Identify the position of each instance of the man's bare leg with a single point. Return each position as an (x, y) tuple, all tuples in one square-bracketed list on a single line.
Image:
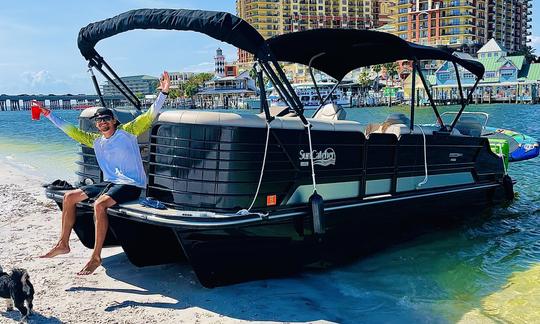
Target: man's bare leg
[(102, 225), (71, 198)]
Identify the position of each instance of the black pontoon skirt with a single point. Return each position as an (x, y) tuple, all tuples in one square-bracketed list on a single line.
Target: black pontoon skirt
[(225, 250)]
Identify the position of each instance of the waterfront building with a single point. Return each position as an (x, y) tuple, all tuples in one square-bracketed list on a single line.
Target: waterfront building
[(179, 78), (222, 68), (139, 84), (508, 78), (276, 17), (465, 24), (226, 91)]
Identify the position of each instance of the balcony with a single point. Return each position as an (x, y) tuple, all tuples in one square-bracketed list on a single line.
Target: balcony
[(461, 23), (455, 4), (461, 32), (456, 14)]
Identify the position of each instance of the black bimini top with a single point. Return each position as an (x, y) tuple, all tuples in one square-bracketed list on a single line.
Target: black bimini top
[(219, 25), (339, 51), (336, 51)]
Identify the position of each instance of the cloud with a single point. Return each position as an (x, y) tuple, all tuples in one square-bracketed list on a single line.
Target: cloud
[(37, 78), (199, 67), (43, 82)]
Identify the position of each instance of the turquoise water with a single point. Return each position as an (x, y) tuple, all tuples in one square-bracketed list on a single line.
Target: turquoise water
[(38, 147), (441, 277)]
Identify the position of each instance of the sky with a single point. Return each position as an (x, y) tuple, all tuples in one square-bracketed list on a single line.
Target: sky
[(39, 54)]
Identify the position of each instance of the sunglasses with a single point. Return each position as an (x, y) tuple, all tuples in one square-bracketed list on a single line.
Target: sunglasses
[(105, 119)]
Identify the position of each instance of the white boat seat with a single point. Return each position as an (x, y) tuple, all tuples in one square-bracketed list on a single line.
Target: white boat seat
[(469, 125), (331, 111), (399, 124), (254, 121), (279, 111), (400, 129)]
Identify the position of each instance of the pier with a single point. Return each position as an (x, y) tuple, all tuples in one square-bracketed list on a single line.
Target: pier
[(67, 101)]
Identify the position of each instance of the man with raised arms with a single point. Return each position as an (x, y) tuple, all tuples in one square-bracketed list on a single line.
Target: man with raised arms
[(119, 158)]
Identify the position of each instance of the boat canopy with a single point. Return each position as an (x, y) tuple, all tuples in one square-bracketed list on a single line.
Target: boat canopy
[(335, 52), (219, 25), (339, 51)]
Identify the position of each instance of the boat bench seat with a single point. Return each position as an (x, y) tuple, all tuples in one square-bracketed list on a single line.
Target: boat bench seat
[(400, 129), (254, 121), (469, 125), (331, 111)]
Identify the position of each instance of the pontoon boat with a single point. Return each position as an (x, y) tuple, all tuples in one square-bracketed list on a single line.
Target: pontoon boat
[(240, 189)]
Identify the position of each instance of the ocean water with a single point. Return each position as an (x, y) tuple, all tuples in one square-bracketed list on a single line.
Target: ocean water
[(486, 268)]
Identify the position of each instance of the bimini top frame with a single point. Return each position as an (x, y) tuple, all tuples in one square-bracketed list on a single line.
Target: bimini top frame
[(335, 52), (219, 25)]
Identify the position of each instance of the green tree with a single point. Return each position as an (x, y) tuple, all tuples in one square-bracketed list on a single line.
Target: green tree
[(363, 80), (201, 78), (528, 52), (377, 68), (391, 71), (190, 89), (174, 93)]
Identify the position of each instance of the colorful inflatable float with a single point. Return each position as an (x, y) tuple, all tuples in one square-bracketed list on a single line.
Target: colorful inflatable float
[(520, 146), (514, 146)]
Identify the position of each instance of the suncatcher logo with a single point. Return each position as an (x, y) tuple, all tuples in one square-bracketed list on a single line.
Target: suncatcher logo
[(322, 158)]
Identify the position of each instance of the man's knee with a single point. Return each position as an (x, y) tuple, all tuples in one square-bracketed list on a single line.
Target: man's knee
[(102, 203), (74, 196)]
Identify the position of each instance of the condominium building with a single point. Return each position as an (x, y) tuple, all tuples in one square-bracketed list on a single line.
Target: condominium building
[(276, 17), (138, 84), (464, 23)]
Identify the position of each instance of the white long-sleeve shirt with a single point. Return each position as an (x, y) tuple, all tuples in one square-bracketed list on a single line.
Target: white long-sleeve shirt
[(118, 156)]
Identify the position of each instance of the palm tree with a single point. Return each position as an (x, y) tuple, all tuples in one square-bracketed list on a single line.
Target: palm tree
[(363, 80), (377, 68), (528, 52), (391, 71)]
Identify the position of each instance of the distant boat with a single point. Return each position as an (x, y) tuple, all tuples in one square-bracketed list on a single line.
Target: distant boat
[(309, 97)]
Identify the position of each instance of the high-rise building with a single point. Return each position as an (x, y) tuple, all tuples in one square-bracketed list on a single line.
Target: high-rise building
[(276, 17), (464, 23), (138, 84)]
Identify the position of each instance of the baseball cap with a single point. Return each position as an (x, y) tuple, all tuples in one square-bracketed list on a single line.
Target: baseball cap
[(102, 112)]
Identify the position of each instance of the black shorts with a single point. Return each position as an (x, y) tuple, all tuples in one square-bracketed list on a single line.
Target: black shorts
[(121, 193)]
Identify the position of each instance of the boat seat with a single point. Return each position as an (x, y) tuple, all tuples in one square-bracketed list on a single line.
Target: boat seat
[(229, 119), (279, 111), (399, 124), (469, 125), (400, 129), (331, 111)]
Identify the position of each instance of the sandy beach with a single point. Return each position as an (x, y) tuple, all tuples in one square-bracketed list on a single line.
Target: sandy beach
[(119, 292)]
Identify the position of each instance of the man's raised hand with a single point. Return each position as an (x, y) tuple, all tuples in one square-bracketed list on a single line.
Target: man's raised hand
[(164, 82)]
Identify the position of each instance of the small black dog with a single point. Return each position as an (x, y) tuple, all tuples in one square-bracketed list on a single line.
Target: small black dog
[(17, 288)]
